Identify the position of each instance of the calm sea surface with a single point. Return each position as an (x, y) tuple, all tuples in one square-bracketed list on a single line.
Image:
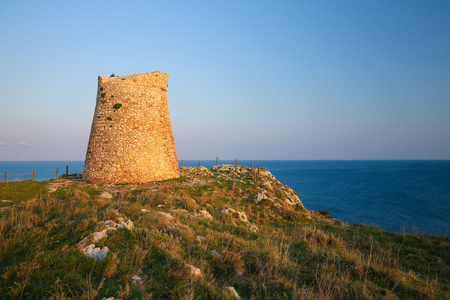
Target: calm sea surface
[(400, 196)]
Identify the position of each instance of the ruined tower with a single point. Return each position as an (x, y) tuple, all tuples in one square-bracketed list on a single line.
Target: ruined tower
[(131, 137)]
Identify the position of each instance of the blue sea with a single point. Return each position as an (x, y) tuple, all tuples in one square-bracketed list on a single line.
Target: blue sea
[(399, 196)]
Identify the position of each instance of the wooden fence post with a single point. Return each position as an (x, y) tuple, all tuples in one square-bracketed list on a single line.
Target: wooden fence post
[(67, 170), (199, 165), (34, 174), (5, 176), (257, 176), (56, 173), (182, 162), (217, 161), (236, 162)]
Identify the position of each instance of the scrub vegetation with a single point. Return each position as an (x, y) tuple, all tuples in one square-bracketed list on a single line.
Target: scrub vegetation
[(190, 240)]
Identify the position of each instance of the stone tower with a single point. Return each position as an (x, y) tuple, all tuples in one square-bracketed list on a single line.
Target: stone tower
[(131, 137)]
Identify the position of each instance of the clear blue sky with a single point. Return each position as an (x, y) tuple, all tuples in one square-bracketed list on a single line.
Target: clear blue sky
[(248, 79)]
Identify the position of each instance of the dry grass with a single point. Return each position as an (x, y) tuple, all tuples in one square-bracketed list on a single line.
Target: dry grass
[(290, 257)]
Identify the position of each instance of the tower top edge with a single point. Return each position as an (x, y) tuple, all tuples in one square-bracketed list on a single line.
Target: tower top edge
[(152, 74)]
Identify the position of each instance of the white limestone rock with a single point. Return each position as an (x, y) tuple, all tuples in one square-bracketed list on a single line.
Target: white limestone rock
[(238, 215), (96, 236), (195, 273), (199, 239), (253, 228), (232, 292), (136, 279), (259, 197), (267, 186), (205, 214), (105, 195), (169, 217), (214, 253), (95, 252)]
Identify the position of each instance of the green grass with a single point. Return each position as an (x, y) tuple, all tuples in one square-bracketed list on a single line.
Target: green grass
[(19, 191), (291, 257)]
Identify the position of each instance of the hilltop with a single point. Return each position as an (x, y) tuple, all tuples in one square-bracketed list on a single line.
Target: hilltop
[(219, 233)]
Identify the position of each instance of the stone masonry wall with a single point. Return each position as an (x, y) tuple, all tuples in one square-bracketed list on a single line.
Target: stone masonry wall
[(131, 137)]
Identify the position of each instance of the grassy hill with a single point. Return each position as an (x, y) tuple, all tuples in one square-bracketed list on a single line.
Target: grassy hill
[(219, 233)]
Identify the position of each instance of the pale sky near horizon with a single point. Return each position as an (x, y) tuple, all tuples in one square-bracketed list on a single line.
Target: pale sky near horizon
[(248, 79)]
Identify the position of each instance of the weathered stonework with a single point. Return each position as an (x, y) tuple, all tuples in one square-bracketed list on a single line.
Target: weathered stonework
[(131, 137)]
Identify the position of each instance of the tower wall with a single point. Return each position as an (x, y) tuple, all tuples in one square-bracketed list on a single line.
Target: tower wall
[(131, 137)]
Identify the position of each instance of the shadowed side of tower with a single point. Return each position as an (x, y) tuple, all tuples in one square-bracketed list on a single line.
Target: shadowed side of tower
[(131, 137)]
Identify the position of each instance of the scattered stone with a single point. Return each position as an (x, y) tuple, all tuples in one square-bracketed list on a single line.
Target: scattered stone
[(95, 252), (128, 224), (136, 279), (96, 236), (214, 253), (199, 239), (168, 230), (8, 201), (253, 228), (105, 195), (166, 215), (239, 215), (195, 272), (160, 206), (267, 186), (205, 214), (111, 225), (232, 291), (110, 298), (144, 210), (293, 198), (259, 197)]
